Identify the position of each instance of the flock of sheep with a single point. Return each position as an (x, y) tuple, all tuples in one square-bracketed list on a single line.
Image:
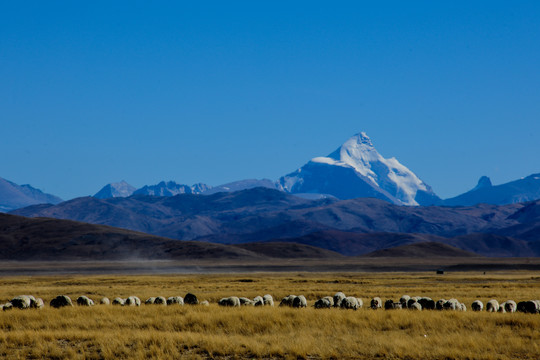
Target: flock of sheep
[(339, 300)]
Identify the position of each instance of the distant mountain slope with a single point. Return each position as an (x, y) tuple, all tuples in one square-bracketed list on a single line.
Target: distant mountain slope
[(52, 239), (518, 191), (422, 250), (171, 188), (242, 185), (13, 196), (119, 189), (356, 170)]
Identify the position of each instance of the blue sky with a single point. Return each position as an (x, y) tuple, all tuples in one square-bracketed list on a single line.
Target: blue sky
[(220, 91)]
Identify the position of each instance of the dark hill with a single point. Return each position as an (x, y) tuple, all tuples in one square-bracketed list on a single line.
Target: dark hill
[(422, 250), (288, 250), (52, 239)]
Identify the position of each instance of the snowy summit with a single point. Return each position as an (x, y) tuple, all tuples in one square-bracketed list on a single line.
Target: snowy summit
[(356, 169)]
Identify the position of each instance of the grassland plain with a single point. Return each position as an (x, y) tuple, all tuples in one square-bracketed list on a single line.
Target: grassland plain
[(107, 332)]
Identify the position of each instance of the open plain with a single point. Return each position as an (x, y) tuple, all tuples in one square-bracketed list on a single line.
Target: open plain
[(151, 331)]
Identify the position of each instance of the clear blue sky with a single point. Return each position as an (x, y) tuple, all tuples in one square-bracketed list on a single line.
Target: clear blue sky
[(221, 91)]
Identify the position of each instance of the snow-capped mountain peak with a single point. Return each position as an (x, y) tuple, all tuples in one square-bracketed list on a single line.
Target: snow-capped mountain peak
[(116, 189), (385, 178)]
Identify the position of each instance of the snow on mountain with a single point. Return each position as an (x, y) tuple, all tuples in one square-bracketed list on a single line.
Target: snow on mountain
[(522, 190), (13, 196), (171, 188), (242, 185), (356, 169), (118, 189)]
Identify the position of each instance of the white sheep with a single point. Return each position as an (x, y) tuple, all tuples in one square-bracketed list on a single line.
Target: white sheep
[(477, 305), (233, 301), (338, 298), (492, 306)]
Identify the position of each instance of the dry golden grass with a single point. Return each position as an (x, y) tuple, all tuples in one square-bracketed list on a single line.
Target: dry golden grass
[(107, 332)]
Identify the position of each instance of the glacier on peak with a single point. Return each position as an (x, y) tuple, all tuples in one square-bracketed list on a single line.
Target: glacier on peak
[(115, 189), (356, 169)]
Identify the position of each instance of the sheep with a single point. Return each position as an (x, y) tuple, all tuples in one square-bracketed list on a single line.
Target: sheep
[(258, 301), (427, 303), (510, 306), (349, 302), (287, 300), (376, 303), (360, 303), (191, 299), (338, 298), (452, 304), (175, 300), (7, 306), (150, 301), (245, 301), (85, 301), (530, 307), (439, 305), (299, 302), (105, 301), (37, 304), (22, 302), (502, 308), (204, 303), (389, 304), (268, 300), (160, 300), (477, 305), (132, 301), (411, 302), (324, 303), (61, 301), (463, 307), (492, 306), (414, 305), (119, 301), (229, 301), (403, 300)]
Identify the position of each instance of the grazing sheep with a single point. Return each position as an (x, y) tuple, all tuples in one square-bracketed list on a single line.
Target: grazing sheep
[(38, 304), (61, 301), (175, 300), (119, 301), (439, 305), (411, 302), (324, 303), (105, 301), (349, 302), (268, 300), (360, 303), (477, 305), (132, 301), (299, 302), (191, 299), (427, 303), (492, 306), (376, 303), (245, 301), (414, 305), (389, 304), (204, 303), (21, 302), (510, 306), (452, 304), (85, 301), (160, 300), (463, 307), (229, 301), (287, 300), (258, 301), (529, 307), (403, 300), (338, 298), (7, 306), (150, 301)]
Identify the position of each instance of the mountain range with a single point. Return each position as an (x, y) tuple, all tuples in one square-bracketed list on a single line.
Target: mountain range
[(353, 170), (350, 227)]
